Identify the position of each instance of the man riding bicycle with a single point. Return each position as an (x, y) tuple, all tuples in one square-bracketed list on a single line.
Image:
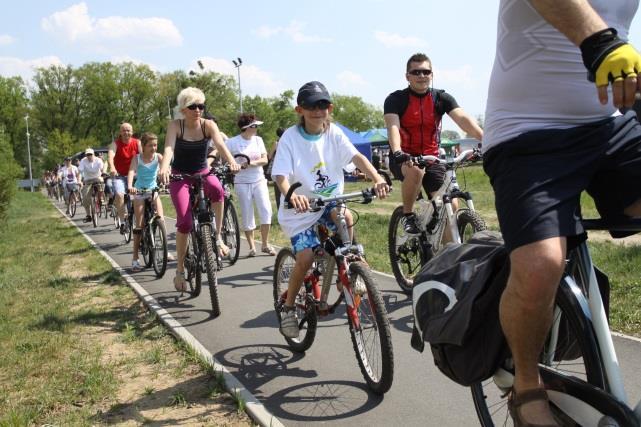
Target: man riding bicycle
[(91, 170), (413, 119), (548, 138), (121, 151)]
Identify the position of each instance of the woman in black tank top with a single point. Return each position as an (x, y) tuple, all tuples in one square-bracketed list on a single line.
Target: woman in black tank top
[(187, 143)]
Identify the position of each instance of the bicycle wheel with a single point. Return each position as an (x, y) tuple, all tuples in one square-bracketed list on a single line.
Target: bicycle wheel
[(146, 246), (94, 212), (193, 266), (370, 331), (72, 204), (575, 354), (128, 226), (230, 233), (211, 266), (305, 309), (114, 215), (405, 251), (159, 248), (469, 222)]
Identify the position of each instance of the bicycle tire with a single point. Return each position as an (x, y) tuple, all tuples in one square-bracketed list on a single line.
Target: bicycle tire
[(211, 266), (305, 309), (230, 233), (72, 204), (128, 227), (405, 251), (146, 246), (159, 247), (372, 338), (114, 215), (490, 402), (94, 213), (192, 265), (469, 222)]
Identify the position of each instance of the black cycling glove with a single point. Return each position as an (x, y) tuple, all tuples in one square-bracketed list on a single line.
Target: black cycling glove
[(607, 57), (400, 157)]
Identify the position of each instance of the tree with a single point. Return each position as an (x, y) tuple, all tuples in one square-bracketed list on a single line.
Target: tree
[(9, 172), (450, 134), (13, 109), (356, 114)]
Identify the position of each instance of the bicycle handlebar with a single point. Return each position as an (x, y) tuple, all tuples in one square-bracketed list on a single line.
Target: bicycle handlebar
[(471, 155)]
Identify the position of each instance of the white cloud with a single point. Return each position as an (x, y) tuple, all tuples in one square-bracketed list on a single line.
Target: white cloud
[(254, 80), (6, 40), (396, 40), (461, 77), (25, 68), (75, 25), (349, 79), (294, 31)]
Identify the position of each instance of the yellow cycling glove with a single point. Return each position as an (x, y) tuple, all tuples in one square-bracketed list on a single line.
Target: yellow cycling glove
[(608, 58)]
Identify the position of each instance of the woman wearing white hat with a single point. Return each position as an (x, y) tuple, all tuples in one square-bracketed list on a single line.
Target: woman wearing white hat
[(250, 183)]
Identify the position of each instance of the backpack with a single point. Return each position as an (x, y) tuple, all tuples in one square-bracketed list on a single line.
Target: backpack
[(455, 301)]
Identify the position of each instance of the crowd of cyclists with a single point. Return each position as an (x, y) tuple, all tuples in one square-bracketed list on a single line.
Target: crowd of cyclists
[(547, 138)]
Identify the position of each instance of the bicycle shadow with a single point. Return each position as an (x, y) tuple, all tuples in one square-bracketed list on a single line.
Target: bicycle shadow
[(268, 320), (397, 303), (253, 278), (322, 401), (257, 364)]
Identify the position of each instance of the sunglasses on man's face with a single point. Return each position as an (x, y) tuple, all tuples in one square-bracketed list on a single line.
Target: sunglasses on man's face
[(192, 107), (420, 72), (320, 105)]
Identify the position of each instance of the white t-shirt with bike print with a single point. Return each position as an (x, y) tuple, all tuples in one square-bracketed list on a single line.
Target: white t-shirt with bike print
[(317, 163), (252, 148)]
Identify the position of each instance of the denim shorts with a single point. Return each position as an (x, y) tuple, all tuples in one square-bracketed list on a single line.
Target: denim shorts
[(309, 239), (538, 178), (119, 184)]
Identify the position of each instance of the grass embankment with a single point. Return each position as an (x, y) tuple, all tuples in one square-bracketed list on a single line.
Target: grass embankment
[(76, 346), (621, 263)]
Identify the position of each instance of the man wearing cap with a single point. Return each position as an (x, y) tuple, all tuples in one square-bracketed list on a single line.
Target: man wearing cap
[(413, 119), (251, 184), (121, 151), (91, 170)]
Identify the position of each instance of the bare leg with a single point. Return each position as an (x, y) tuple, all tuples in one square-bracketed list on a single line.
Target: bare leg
[(304, 261), (249, 234), (526, 313), (139, 206), (264, 234), (159, 209), (119, 202), (181, 249), (413, 177), (219, 210), (634, 210)]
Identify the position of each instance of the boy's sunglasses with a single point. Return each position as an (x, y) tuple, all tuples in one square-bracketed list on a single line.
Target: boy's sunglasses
[(320, 105), (192, 107), (419, 72)]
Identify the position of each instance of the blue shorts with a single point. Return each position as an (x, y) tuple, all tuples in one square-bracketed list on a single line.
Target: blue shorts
[(119, 184), (308, 239)]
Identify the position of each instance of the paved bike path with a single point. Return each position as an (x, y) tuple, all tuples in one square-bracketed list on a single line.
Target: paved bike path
[(324, 385)]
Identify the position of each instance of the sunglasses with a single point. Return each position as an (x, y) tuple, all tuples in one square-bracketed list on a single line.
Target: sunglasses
[(420, 72), (320, 105), (192, 107), (89, 154)]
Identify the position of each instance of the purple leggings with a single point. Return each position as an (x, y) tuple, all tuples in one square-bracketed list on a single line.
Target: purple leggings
[(179, 191)]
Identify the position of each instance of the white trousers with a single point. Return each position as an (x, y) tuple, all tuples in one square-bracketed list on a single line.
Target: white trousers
[(257, 193)]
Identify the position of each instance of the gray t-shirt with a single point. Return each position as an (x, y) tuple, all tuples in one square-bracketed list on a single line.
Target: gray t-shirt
[(539, 80)]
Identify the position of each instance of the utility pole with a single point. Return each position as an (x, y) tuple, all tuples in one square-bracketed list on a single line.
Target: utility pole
[(240, 92), (29, 153)]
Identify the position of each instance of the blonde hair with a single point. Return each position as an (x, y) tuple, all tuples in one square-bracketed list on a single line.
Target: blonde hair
[(186, 97)]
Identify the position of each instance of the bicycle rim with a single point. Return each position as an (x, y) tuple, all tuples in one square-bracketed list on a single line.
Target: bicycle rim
[(372, 338), (405, 252), (305, 310), (230, 234), (211, 265), (192, 266), (146, 247), (159, 248), (575, 354)]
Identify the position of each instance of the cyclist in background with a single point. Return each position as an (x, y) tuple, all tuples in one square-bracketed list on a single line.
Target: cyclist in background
[(90, 169), (413, 119), (145, 167), (549, 135), (313, 153), (70, 177), (121, 151)]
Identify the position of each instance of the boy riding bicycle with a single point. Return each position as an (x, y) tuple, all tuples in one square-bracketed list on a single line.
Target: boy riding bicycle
[(313, 153)]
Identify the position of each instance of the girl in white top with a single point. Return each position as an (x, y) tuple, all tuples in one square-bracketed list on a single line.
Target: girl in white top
[(314, 154), (250, 183)]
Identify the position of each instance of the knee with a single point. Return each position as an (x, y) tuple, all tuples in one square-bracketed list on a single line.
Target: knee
[(534, 281)]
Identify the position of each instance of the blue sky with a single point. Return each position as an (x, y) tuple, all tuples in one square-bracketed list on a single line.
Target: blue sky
[(355, 47)]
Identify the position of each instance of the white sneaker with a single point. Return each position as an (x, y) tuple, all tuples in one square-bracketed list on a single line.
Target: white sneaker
[(289, 324), (135, 266)]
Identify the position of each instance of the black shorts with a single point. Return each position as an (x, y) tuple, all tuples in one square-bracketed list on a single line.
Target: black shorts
[(432, 180), (538, 178)]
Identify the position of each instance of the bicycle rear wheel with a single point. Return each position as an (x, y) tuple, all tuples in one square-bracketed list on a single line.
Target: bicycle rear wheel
[(405, 251), (211, 266), (575, 354), (94, 212), (230, 233), (305, 309), (371, 337), (72, 204), (469, 222), (159, 248), (193, 265), (128, 226)]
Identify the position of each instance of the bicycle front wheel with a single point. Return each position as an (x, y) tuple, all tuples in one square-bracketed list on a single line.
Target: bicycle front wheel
[(128, 226), (230, 233), (575, 353), (211, 265), (159, 248), (72, 204), (370, 330), (94, 212), (405, 251), (192, 265), (146, 246), (469, 222), (305, 309)]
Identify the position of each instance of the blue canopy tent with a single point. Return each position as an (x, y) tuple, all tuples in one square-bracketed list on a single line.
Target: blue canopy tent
[(376, 136), (363, 147)]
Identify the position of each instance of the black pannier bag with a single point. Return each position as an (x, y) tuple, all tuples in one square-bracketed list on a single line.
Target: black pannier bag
[(456, 308)]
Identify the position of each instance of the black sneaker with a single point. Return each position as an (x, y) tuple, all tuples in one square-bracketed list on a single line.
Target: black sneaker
[(87, 219), (410, 225), (122, 228)]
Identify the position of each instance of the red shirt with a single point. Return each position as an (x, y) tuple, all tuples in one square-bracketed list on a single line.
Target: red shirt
[(124, 154)]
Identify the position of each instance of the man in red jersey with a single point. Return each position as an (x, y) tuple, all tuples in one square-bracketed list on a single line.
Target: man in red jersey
[(121, 151)]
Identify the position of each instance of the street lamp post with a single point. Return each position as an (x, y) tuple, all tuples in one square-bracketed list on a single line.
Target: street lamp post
[(29, 153), (240, 92)]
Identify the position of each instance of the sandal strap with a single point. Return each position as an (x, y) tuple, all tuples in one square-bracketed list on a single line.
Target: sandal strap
[(528, 396)]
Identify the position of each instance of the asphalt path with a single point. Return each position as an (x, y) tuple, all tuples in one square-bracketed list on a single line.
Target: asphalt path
[(324, 385)]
